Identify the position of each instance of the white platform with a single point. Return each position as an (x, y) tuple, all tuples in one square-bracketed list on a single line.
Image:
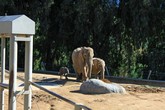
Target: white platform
[(16, 24)]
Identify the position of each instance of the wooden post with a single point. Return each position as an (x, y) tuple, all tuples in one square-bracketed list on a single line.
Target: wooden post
[(28, 73), (2, 80), (13, 73)]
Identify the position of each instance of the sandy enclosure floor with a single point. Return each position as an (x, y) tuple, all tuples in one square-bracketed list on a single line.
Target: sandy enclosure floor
[(138, 97)]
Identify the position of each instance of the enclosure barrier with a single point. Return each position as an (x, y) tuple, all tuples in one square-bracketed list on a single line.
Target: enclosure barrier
[(155, 83), (5, 86), (16, 28), (77, 105)]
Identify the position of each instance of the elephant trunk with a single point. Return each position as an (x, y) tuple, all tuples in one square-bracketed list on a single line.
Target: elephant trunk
[(90, 63)]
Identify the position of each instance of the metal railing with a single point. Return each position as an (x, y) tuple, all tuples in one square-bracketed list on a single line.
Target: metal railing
[(77, 105)]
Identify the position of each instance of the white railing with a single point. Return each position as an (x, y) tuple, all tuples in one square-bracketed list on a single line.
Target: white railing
[(78, 106)]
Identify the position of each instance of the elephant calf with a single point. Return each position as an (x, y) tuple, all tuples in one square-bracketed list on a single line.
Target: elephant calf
[(98, 67), (64, 71)]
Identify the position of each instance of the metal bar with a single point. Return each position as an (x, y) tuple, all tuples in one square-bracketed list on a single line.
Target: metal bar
[(149, 74), (2, 80), (81, 107), (5, 86), (22, 39), (107, 71), (57, 95), (28, 72), (13, 73), (21, 92), (52, 93)]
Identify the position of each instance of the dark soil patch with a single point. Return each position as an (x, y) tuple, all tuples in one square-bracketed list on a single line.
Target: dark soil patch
[(144, 89)]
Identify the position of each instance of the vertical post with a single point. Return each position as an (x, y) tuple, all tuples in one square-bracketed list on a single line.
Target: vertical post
[(79, 106), (2, 80), (107, 70), (28, 72), (150, 71), (13, 73)]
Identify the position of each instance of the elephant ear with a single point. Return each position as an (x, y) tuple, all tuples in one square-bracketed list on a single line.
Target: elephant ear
[(95, 63), (90, 52), (81, 55)]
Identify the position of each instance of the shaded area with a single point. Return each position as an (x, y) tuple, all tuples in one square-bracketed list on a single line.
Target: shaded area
[(52, 82)]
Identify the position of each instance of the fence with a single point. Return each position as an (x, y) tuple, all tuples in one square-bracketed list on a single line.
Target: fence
[(78, 106)]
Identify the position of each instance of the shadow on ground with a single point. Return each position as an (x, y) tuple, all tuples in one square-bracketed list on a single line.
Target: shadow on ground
[(53, 82)]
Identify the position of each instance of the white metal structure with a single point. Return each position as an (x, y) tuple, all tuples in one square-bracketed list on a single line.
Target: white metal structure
[(16, 28)]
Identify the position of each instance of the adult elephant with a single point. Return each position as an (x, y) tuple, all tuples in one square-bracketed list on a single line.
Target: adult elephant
[(82, 62), (98, 67)]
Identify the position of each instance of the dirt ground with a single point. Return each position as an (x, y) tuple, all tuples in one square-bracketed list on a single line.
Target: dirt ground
[(138, 97)]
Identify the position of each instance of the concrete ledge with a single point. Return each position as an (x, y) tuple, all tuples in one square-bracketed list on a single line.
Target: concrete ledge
[(157, 83)]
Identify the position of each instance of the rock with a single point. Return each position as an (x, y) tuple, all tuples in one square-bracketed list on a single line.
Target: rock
[(96, 86)]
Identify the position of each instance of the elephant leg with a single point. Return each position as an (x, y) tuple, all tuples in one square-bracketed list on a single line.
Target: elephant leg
[(61, 76), (102, 75), (84, 75), (78, 76), (66, 76), (84, 78), (89, 75), (96, 76)]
